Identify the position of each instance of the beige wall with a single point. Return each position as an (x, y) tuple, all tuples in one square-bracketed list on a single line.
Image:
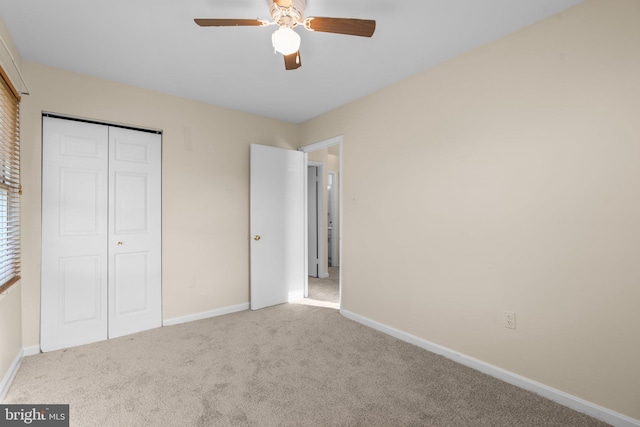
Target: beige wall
[(205, 194), (507, 179), (10, 328), (10, 301)]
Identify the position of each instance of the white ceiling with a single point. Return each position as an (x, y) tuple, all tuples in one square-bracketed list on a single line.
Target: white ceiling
[(155, 44)]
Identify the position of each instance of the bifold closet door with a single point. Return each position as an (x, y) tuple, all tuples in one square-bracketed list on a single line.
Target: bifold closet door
[(135, 298), (101, 232), (74, 233)]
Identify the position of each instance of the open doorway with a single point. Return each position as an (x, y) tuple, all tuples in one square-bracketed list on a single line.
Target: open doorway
[(316, 220), (324, 223)]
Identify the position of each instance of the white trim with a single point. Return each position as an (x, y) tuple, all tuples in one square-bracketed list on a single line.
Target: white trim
[(15, 66), (305, 290), (336, 140), (340, 220), (10, 375), (558, 396), (322, 144), (322, 271), (295, 296), (335, 258), (205, 314), (31, 351)]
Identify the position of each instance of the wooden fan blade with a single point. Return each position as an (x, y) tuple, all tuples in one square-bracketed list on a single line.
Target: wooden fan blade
[(283, 3), (229, 22), (348, 26), (292, 62)]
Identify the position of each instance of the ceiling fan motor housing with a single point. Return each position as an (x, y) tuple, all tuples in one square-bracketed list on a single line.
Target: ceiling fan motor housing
[(287, 16)]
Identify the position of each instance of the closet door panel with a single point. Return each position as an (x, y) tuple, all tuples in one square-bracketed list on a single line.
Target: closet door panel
[(81, 207), (135, 232), (131, 198), (81, 302), (132, 276), (74, 233)]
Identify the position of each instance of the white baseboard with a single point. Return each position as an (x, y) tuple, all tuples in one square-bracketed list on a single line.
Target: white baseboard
[(565, 399), (205, 314), (10, 375), (323, 275), (295, 296), (30, 351), (33, 350)]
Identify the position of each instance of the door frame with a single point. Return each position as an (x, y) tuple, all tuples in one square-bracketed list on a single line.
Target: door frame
[(336, 140), (320, 221), (333, 201)]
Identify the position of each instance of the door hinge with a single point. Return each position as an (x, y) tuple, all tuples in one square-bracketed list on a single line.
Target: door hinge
[(20, 189)]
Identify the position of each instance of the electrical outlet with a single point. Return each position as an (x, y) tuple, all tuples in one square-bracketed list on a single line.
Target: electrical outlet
[(509, 319)]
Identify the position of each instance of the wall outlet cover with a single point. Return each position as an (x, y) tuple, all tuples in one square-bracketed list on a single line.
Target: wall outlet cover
[(509, 319)]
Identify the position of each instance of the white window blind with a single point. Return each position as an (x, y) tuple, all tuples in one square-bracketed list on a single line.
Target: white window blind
[(9, 183)]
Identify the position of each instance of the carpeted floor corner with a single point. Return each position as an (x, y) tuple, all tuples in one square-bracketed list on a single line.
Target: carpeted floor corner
[(289, 365)]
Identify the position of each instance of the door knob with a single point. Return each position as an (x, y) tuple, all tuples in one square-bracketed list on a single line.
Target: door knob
[(120, 243), (256, 237)]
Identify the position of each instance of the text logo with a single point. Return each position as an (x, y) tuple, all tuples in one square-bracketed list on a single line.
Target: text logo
[(34, 415)]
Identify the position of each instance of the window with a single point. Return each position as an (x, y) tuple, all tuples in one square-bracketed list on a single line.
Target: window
[(9, 183)]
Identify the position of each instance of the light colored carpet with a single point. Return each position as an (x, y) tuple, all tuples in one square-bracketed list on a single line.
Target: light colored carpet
[(289, 365)]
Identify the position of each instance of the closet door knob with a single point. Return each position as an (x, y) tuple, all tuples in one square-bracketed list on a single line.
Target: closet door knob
[(257, 237), (120, 243)]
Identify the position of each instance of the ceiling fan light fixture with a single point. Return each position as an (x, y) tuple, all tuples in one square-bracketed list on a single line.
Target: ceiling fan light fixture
[(285, 40), (289, 15)]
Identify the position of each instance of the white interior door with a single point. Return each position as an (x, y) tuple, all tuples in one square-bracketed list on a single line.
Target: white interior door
[(74, 233), (312, 221), (333, 226), (101, 232), (278, 229), (135, 298)]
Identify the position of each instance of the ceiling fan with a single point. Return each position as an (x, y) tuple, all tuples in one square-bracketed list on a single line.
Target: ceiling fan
[(287, 15)]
